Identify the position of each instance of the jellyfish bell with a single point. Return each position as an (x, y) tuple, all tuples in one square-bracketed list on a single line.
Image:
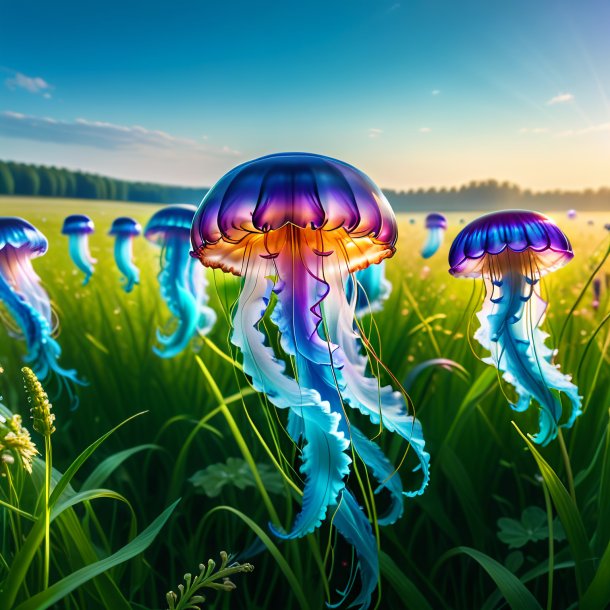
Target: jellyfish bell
[(295, 227), (571, 214), (512, 250), (436, 225), (124, 230), (182, 280), (28, 314), (78, 227)]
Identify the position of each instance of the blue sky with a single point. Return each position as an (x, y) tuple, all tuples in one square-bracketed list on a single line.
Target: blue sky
[(414, 93)]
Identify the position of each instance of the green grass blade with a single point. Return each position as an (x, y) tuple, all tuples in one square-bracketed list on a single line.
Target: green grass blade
[(66, 585), (569, 516), (81, 459), (295, 585), (105, 468), (404, 587), (598, 593), (516, 594)]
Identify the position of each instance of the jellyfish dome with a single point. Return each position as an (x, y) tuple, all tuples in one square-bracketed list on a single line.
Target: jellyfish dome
[(78, 227), (182, 281), (511, 251), (571, 214), (295, 227), (27, 311), (124, 230), (436, 225)]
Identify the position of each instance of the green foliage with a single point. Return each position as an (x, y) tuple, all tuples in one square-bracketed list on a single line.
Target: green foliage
[(199, 416), (237, 473)]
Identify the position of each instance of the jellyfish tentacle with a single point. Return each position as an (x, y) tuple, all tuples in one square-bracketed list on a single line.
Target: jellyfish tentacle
[(433, 242), (123, 255), (509, 331), (324, 461), (352, 524), (198, 285), (179, 299), (372, 289), (43, 351), (385, 473), (79, 252), (381, 404)]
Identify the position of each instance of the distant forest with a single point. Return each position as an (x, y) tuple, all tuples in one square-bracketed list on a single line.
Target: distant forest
[(43, 181)]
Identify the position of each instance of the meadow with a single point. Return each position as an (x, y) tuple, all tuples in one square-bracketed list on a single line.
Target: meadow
[(502, 522)]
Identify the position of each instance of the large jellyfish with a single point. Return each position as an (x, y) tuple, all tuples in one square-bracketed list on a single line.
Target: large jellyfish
[(78, 227), (27, 312), (436, 224), (182, 281), (124, 229), (511, 251), (295, 226), (373, 288)]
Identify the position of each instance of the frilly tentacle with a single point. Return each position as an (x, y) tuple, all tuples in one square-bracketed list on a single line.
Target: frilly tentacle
[(79, 252), (123, 256), (433, 242)]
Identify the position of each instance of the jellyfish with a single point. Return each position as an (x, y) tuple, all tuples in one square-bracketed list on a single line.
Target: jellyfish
[(295, 227), (181, 279), (437, 225), (511, 251), (125, 229), (78, 227), (27, 311), (571, 214), (373, 289)]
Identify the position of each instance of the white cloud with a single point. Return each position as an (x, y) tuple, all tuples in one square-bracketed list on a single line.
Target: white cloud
[(32, 84), (599, 128), (101, 134), (374, 132), (561, 98), (435, 91), (425, 129), (534, 130)]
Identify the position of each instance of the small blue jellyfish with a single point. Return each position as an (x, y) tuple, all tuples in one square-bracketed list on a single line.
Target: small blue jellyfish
[(78, 227), (372, 289), (437, 225), (511, 251), (125, 229), (28, 314), (182, 280)]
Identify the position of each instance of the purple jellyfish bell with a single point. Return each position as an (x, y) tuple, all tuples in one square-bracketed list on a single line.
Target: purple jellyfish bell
[(29, 315), (295, 227), (181, 279), (436, 225), (125, 229), (78, 227), (571, 214), (511, 251)]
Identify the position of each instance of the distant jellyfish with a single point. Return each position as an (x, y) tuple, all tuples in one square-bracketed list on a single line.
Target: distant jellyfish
[(124, 229), (182, 279), (571, 214), (590, 222), (78, 227), (294, 227), (372, 289), (436, 224), (597, 291), (511, 251), (607, 226), (412, 221), (27, 312), (462, 221)]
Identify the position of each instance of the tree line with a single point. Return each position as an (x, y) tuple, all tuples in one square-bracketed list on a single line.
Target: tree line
[(44, 181)]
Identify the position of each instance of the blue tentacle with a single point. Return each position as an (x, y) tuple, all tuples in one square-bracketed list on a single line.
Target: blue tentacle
[(198, 285), (372, 290), (173, 281), (509, 330), (123, 256), (324, 461), (433, 242), (78, 244)]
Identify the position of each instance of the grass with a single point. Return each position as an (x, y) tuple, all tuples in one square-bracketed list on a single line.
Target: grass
[(444, 553)]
